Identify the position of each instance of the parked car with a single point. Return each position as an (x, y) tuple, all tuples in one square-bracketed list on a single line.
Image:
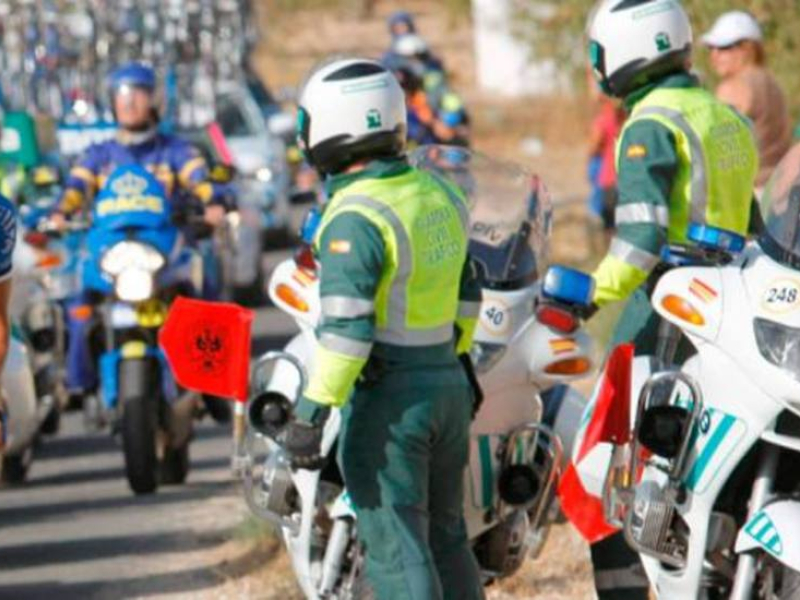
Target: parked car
[(259, 157)]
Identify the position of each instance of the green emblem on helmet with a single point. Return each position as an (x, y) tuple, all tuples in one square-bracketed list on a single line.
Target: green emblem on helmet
[(663, 42), (374, 120)]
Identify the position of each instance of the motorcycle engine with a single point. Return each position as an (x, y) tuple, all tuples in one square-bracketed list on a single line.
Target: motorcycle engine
[(654, 527), (502, 550), (280, 495)]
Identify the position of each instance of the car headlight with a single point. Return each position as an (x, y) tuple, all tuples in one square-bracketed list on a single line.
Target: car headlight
[(264, 174), (779, 345), (131, 255), (134, 285), (485, 356)]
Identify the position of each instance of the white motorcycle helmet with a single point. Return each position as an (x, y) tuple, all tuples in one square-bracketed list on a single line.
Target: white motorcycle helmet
[(410, 45), (635, 42), (350, 109)]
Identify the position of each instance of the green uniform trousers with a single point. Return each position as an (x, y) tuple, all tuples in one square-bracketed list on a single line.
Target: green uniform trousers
[(404, 448)]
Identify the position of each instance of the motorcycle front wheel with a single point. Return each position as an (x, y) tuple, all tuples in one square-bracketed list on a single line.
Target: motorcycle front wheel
[(14, 469), (139, 445), (139, 426)]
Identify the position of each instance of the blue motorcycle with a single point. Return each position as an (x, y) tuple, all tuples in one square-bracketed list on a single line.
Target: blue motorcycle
[(136, 264)]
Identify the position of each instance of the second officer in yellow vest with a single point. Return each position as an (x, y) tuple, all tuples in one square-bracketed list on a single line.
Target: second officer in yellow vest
[(399, 303), (683, 157)]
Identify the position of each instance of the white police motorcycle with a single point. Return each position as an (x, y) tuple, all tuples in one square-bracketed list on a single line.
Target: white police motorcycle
[(528, 342), (706, 489)]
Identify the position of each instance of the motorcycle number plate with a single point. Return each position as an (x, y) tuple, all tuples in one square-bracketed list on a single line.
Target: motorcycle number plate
[(123, 315)]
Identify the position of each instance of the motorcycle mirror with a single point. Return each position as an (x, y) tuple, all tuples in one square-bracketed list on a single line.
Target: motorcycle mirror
[(662, 429), (568, 286)]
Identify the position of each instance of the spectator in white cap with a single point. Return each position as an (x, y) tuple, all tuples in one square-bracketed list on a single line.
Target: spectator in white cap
[(738, 58)]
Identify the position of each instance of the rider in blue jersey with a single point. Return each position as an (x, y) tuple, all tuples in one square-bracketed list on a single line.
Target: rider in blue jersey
[(174, 162)]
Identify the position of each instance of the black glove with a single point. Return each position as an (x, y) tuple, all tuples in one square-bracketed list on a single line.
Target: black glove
[(472, 377), (302, 441)]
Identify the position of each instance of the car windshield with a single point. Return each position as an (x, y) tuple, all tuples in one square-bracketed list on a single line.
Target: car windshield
[(780, 211), (234, 119), (510, 212)]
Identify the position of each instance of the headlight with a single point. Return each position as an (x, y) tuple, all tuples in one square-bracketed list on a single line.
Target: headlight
[(264, 174), (485, 356), (134, 285), (779, 344), (131, 255)]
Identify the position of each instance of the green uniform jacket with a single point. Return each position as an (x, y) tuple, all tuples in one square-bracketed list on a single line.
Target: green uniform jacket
[(354, 259), (682, 157)]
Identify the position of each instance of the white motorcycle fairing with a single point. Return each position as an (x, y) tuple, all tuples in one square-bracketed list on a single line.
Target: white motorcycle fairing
[(774, 530), (24, 417), (742, 393)]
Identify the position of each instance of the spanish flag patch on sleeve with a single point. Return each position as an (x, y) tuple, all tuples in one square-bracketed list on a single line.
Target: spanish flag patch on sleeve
[(636, 151), (339, 246)]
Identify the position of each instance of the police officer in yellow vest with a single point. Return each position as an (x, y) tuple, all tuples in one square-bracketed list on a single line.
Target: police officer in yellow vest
[(399, 303), (682, 157)]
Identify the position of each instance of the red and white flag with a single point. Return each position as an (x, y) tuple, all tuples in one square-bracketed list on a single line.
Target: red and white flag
[(606, 422)]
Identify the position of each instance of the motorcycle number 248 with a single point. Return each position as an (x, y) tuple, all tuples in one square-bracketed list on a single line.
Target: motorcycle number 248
[(782, 296)]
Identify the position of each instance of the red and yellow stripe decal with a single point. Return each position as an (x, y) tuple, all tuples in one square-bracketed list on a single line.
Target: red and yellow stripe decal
[(303, 277), (703, 291), (563, 345)]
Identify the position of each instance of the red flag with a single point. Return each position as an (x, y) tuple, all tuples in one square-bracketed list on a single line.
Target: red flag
[(207, 345), (609, 423), (611, 416), (583, 510)]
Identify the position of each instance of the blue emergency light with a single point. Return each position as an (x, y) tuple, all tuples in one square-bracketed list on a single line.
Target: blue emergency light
[(714, 238), (310, 225), (568, 286)]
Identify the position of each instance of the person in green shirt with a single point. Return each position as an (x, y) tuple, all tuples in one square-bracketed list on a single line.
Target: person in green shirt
[(400, 301), (682, 157)]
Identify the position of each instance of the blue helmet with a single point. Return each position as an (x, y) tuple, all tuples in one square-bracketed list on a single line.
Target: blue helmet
[(134, 74), (401, 17)]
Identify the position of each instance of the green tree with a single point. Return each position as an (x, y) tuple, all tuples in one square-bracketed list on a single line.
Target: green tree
[(557, 30)]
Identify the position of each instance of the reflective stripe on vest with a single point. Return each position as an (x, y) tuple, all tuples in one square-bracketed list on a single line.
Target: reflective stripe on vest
[(395, 303)]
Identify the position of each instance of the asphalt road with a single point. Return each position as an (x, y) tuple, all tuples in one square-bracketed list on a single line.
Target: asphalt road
[(75, 530)]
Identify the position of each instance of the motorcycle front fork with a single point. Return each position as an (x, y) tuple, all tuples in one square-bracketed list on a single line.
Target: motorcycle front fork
[(744, 582)]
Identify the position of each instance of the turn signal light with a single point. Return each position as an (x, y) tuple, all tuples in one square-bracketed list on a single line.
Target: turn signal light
[(569, 366), (37, 239), (82, 312), (291, 297), (682, 309), (557, 318), (49, 260)]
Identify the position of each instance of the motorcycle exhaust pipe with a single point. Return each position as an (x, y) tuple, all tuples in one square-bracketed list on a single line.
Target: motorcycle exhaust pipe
[(269, 413), (519, 485)]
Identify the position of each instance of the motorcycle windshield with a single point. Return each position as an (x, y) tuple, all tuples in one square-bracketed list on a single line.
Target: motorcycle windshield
[(510, 212), (780, 211)]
